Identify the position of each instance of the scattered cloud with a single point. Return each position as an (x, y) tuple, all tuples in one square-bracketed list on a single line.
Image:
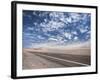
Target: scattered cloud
[(55, 27), (83, 30)]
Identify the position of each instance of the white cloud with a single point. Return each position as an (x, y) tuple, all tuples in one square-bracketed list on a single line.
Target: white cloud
[(30, 28), (35, 23), (75, 16), (45, 20), (68, 35), (52, 39), (40, 37), (84, 17), (56, 25), (83, 30), (74, 32), (56, 14), (51, 25), (34, 13), (87, 36), (59, 37), (86, 27), (75, 38), (27, 34), (43, 24), (44, 14), (69, 20), (60, 16)]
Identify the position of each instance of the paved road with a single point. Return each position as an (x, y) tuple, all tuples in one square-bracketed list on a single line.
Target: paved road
[(33, 60), (66, 59)]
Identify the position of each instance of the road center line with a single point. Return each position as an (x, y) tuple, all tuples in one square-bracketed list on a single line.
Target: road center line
[(64, 60)]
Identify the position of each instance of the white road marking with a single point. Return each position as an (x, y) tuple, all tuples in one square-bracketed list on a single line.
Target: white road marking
[(65, 60)]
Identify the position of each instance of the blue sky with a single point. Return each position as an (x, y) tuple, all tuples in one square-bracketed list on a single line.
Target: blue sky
[(60, 28)]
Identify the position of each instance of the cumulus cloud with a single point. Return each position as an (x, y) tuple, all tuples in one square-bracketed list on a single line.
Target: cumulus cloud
[(74, 32), (51, 25), (52, 39), (68, 35), (56, 27), (30, 28), (75, 38), (75, 16), (83, 30)]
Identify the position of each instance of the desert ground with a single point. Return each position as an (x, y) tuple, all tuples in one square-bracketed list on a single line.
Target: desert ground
[(36, 58)]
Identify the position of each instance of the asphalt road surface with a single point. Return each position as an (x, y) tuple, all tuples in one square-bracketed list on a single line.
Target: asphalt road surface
[(37, 60)]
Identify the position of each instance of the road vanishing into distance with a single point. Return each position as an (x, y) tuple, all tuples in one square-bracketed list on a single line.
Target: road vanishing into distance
[(37, 60)]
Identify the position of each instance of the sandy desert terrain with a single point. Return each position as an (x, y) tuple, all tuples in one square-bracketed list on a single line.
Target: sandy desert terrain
[(36, 58)]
